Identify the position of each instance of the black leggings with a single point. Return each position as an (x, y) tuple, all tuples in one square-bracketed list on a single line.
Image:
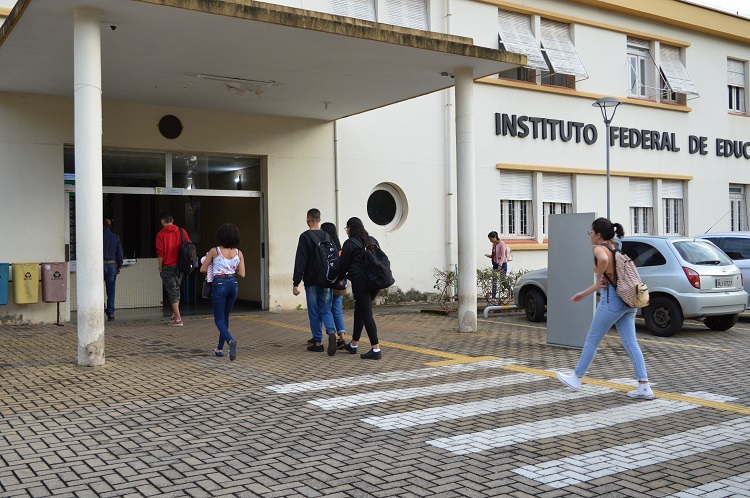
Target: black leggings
[(363, 297)]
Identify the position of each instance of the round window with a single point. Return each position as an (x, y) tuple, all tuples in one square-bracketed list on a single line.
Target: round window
[(386, 206)]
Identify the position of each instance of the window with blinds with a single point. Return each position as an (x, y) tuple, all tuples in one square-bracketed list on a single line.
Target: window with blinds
[(557, 196), (641, 202), (560, 51), (515, 35), (675, 78), (737, 208), (359, 9), (672, 206), (736, 85), (408, 13), (516, 194)]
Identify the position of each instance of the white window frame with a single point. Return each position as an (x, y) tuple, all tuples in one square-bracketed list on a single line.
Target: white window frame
[(641, 220), (737, 208), (736, 86), (673, 208), (639, 62), (557, 197), (516, 204), (641, 200)]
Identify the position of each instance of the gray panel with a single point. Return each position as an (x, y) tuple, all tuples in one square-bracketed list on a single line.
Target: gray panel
[(570, 269)]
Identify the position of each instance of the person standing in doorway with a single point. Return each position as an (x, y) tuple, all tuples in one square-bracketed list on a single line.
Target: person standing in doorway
[(227, 263), (611, 310), (337, 300), (318, 298), (168, 243), (112, 265), (352, 266), (499, 257)]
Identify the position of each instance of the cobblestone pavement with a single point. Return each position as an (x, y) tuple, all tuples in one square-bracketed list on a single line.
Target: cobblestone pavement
[(442, 414)]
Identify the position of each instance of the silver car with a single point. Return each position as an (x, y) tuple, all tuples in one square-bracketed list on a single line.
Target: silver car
[(737, 247), (686, 278)]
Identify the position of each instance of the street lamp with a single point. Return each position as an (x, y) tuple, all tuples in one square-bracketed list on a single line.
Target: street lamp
[(604, 104)]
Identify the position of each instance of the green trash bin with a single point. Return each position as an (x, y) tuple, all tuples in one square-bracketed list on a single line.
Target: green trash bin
[(25, 283)]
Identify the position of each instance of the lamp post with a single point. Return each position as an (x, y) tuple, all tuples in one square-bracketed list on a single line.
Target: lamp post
[(605, 104)]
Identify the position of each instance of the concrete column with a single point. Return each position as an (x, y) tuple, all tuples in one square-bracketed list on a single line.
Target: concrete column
[(466, 201), (87, 96)]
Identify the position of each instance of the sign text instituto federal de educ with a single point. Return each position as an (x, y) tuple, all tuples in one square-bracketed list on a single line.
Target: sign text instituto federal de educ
[(554, 129)]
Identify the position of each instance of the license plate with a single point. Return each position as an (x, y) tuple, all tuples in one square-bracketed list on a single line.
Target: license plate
[(724, 282)]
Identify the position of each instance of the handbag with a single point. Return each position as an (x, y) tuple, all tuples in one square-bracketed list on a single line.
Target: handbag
[(206, 290)]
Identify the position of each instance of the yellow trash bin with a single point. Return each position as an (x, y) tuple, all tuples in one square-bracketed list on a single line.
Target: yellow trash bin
[(25, 283)]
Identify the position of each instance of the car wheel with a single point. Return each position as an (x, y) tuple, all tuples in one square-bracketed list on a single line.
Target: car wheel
[(721, 322), (663, 316), (534, 303)]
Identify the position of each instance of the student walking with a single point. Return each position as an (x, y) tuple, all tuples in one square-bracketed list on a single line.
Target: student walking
[(337, 299), (611, 310), (499, 257), (226, 263), (351, 266), (112, 265), (318, 298), (168, 243)]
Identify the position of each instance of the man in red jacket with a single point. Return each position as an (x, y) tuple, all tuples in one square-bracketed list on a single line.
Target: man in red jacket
[(168, 243)]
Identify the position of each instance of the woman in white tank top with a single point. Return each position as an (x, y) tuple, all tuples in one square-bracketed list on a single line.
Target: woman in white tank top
[(226, 263)]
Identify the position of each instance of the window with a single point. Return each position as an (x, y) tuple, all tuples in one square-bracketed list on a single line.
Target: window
[(737, 208), (736, 86), (516, 204), (125, 168), (359, 9), (675, 78), (202, 171), (557, 197), (560, 52), (387, 206), (641, 206), (643, 254), (515, 35), (408, 13), (672, 207), (639, 60)]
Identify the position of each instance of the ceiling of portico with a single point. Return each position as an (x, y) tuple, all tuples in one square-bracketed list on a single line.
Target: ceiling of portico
[(325, 67)]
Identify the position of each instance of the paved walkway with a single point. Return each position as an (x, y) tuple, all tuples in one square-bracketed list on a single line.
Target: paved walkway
[(442, 414)]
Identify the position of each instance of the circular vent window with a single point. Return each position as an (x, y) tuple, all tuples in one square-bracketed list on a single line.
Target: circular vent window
[(387, 207)]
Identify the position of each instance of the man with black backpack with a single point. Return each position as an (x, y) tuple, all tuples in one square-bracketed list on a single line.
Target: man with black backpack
[(316, 264), (169, 242)]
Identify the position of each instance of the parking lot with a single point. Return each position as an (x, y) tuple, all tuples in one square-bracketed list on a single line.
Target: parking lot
[(443, 413)]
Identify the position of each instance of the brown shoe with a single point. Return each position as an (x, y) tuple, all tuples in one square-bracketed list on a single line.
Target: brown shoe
[(175, 323)]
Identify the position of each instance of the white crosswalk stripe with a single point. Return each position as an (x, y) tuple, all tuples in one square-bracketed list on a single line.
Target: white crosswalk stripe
[(421, 392), (601, 463), (463, 410), (521, 433), (731, 486), (400, 375)]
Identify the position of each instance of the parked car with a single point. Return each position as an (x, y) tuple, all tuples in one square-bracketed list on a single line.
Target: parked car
[(687, 278), (737, 246)]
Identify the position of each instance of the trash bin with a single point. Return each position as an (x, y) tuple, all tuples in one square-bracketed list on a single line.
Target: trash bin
[(54, 282), (4, 267), (25, 283)]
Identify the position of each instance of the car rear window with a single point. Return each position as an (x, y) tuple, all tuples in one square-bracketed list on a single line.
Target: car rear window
[(699, 252), (737, 248)]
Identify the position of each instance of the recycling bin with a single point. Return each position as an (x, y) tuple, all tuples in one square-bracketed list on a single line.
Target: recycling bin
[(4, 268), (25, 283), (54, 282)]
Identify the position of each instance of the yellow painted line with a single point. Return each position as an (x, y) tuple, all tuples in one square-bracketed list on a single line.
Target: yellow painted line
[(466, 359), (271, 322), (431, 352), (727, 407)]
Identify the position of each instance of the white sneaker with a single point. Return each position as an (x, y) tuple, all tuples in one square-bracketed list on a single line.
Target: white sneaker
[(643, 392), (572, 381)]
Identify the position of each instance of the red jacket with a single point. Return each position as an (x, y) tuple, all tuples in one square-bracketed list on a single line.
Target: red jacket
[(168, 242)]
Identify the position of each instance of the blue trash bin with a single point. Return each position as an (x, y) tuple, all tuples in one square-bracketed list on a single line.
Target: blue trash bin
[(4, 283)]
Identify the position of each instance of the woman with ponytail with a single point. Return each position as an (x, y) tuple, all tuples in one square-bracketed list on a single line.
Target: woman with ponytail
[(352, 266), (611, 310)]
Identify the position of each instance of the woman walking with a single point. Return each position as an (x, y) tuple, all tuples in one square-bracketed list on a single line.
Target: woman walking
[(227, 263), (611, 310), (337, 302), (351, 266)]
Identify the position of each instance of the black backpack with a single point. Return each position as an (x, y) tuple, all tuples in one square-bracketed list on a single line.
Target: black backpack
[(324, 261), (377, 266), (187, 261)]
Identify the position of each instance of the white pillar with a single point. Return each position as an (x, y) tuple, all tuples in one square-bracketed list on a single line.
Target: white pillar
[(87, 96), (466, 201)]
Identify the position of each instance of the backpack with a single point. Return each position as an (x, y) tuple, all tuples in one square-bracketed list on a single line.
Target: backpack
[(377, 266), (629, 286), (324, 261), (508, 253), (187, 259)]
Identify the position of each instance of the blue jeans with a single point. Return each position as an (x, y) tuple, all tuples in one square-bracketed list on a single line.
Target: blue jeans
[(503, 271), (110, 274), (223, 295), (319, 309), (337, 310), (612, 311)]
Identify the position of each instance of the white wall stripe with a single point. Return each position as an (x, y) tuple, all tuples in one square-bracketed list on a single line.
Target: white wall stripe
[(422, 373), (731, 486), (515, 434), (424, 391), (462, 410), (601, 463)]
